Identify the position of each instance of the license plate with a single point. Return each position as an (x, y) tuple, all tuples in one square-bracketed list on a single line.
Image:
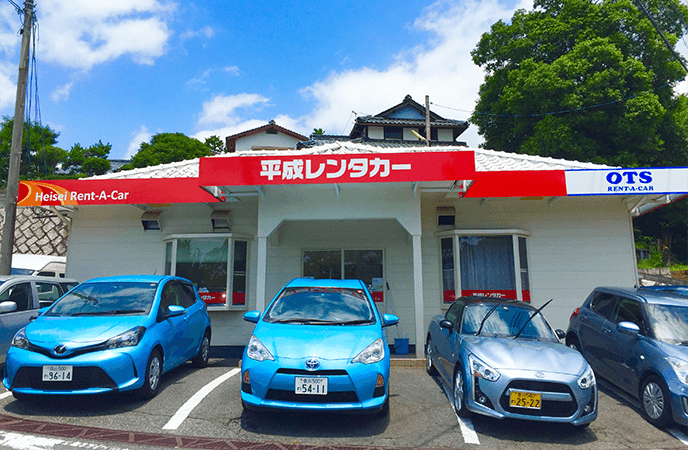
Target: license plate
[(57, 373), (524, 399), (311, 386)]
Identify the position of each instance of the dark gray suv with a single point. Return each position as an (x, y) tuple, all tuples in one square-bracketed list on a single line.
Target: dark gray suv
[(637, 338)]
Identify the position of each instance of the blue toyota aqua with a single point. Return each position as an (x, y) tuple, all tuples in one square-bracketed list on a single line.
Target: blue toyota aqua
[(110, 334), (320, 346)]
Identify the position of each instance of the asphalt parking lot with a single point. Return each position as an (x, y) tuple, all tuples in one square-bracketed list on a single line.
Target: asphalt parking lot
[(205, 403)]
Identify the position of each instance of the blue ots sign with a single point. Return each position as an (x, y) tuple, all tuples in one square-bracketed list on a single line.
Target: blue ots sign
[(627, 181)]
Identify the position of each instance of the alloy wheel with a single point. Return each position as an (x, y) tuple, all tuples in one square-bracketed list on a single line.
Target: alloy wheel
[(653, 400)]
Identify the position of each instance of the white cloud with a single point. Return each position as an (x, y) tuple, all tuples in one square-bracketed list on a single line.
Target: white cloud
[(8, 87), (143, 135), (221, 109), (61, 93), (83, 33), (441, 68), (206, 32)]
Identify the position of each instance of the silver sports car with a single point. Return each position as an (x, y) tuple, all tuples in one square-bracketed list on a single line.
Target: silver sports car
[(501, 359)]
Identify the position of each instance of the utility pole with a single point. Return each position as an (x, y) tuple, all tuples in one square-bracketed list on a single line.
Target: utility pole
[(12, 192), (427, 120)]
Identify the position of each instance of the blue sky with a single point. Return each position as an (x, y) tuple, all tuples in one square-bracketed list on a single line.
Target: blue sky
[(121, 71)]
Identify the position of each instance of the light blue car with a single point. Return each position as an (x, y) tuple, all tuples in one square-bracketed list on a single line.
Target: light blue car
[(110, 334), (501, 359), (320, 346)]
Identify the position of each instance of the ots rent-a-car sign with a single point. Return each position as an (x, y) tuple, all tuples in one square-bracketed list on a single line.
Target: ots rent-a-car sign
[(627, 181)]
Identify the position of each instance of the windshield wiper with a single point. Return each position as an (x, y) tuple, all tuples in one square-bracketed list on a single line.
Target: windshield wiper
[(110, 312), (529, 318), (354, 322), (304, 321), (480, 328)]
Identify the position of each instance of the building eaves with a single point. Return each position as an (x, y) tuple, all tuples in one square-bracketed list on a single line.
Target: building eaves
[(411, 123)]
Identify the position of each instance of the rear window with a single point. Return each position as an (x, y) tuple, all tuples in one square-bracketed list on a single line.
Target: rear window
[(325, 306)]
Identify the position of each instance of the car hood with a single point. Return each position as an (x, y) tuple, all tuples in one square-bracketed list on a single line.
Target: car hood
[(505, 353), (675, 350), (323, 341), (48, 331)]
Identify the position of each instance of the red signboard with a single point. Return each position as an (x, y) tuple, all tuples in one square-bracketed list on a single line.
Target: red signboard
[(337, 168), (112, 192), (518, 183)]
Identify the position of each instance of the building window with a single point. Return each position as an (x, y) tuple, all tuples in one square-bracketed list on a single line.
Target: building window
[(365, 265), (490, 263), (216, 265), (395, 133)]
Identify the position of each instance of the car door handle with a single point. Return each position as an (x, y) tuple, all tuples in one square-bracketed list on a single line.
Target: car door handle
[(606, 330)]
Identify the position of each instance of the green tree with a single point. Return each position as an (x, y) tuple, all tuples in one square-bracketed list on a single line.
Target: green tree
[(40, 155), (88, 161), (166, 148), (318, 131), (215, 144), (582, 80)]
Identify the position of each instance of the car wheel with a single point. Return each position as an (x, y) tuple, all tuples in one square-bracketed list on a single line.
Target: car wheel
[(429, 366), (201, 360), (460, 395), (151, 382), (574, 344), (655, 403)]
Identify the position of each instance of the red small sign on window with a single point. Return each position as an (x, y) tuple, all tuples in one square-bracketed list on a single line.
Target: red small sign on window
[(213, 298)]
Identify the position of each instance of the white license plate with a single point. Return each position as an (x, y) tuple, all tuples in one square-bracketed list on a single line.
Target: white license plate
[(311, 386), (57, 373)]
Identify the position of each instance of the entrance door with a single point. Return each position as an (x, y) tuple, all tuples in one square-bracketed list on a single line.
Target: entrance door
[(364, 265)]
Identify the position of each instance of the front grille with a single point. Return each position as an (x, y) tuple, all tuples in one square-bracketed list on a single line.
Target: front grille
[(548, 408), (312, 373), (82, 378), (68, 354), (330, 397)]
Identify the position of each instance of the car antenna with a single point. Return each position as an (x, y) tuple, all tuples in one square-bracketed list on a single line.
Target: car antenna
[(534, 314), (485, 318)]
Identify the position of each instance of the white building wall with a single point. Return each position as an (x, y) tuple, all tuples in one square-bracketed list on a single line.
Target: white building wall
[(409, 136), (575, 244), (376, 132), (444, 135), (264, 140)]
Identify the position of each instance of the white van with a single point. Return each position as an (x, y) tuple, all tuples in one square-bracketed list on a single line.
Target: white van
[(42, 265)]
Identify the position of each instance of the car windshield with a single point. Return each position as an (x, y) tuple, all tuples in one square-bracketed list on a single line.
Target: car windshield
[(669, 323), (506, 321), (321, 306), (104, 299)]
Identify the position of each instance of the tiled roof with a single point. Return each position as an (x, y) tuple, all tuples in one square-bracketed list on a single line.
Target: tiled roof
[(485, 160), (375, 120), (322, 139)]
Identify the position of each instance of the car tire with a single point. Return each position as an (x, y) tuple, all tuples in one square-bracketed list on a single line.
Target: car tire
[(459, 389), (574, 344), (201, 360), (655, 403), (151, 382), (429, 366)]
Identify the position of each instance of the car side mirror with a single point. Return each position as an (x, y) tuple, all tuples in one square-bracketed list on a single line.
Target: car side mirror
[(175, 310), (447, 324), (252, 316), (389, 319), (7, 306), (561, 334), (628, 328)]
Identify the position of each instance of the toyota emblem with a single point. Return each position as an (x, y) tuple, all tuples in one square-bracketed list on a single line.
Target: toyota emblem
[(60, 349), (312, 364)]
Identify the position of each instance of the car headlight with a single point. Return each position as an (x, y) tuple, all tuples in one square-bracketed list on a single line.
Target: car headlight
[(20, 340), (371, 354), (482, 370), (257, 351), (680, 367), (129, 338), (587, 379)]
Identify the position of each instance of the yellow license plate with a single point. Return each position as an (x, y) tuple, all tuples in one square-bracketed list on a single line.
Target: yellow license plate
[(522, 399)]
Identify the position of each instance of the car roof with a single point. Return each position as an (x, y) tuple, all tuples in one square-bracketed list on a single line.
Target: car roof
[(676, 295), (133, 279), (4, 278), (327, 283)]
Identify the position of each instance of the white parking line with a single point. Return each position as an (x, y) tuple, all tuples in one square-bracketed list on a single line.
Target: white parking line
[(465, 425), (191, 403), (5, 395)]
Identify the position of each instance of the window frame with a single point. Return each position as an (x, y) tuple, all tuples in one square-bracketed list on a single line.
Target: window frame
[(231, 238), (455, 234)]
